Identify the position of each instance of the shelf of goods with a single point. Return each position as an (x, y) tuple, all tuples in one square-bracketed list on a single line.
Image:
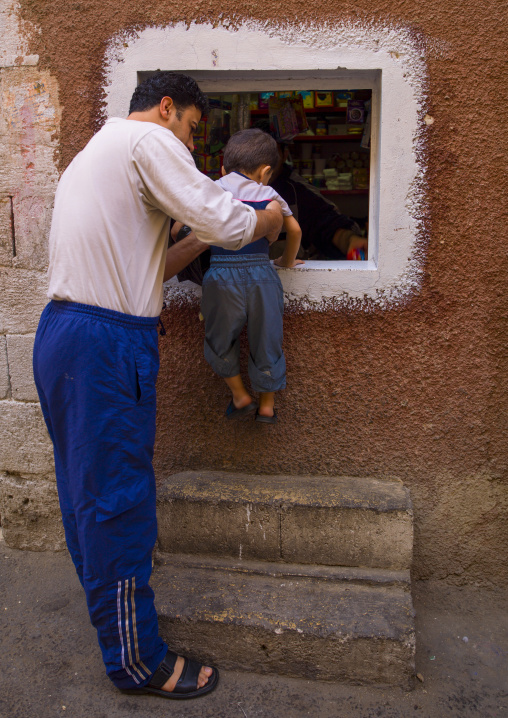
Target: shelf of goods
[(344, 191), (353, 137), (310, 111)]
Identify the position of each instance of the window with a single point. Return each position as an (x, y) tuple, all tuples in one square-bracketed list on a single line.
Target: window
[(332, 156), (382, 61)]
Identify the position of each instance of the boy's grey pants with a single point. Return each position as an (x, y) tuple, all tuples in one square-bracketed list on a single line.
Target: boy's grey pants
[(237, 290)]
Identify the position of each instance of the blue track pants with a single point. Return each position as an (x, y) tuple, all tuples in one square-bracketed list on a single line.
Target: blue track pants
[(95, 371)]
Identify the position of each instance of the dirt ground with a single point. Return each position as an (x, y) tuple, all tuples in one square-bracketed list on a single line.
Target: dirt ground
[(51, 665)]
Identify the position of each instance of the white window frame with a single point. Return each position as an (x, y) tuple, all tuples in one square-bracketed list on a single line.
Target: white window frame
[(254, 59)]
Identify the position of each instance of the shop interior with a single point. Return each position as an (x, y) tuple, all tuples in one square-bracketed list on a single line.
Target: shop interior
[(327, 135)]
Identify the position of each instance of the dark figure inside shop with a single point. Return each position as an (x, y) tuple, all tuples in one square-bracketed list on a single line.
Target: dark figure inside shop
[(326, 233)]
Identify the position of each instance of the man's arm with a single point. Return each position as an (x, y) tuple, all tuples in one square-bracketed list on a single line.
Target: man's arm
[(268, 222), (180, 254), (189, 196)]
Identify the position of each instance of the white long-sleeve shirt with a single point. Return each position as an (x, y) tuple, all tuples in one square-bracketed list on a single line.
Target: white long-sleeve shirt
[(110, 226)]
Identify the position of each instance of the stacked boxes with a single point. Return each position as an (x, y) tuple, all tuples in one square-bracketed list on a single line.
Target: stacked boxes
[(206, 162)]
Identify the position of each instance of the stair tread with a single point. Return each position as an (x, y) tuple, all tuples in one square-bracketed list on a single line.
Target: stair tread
[(283, 490), (367, 575), (306, 605)]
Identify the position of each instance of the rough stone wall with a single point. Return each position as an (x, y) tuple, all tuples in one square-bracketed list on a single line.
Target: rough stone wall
[(29, 123), (416, 392)]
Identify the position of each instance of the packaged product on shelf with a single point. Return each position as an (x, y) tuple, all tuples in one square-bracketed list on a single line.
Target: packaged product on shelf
[(301, 117), (312, 122), (287, 118), (282, 118), (345, 181), (330, 174), (342, 97), (308, 99), (361, 178), (323, 98), (321, 128), (254, 101), (264, 98), (355, 112), (337, 129)]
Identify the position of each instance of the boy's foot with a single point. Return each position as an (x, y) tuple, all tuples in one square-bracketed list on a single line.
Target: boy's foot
[(234, 412), (243, 401), (266, 419)]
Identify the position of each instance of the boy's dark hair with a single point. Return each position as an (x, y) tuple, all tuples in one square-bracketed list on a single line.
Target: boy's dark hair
[(182, 89), (249, 149)]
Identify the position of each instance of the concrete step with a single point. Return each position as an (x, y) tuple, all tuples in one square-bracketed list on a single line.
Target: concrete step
[(322, 623), (336, 521)]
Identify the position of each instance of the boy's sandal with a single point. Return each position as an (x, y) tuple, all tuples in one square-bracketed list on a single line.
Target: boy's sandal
[(266, 419), (186, 686), (233, 413)]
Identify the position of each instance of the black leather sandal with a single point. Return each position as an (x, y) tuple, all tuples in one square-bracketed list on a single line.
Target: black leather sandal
[(186, 684)]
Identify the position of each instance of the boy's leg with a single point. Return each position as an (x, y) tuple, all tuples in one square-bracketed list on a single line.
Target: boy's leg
[(266, 403), (241, 396), (267, 364), (224, 312)]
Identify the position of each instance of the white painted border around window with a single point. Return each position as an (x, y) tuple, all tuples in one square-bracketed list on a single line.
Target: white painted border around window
[(252, 58)]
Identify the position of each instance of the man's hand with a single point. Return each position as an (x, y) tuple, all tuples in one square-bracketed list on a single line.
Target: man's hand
[(269, 222), (346, 240), (357, 242), (181, 254)]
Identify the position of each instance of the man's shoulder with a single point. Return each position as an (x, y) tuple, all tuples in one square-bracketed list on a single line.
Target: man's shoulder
[(137, 131)]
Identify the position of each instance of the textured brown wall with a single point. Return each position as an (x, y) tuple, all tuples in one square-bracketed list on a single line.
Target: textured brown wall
[(417, 392)]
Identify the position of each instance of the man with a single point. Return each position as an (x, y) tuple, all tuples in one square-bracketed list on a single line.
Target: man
[(96, 357), (324, 229)]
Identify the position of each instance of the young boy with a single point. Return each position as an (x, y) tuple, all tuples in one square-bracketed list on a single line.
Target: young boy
[(242, 287)]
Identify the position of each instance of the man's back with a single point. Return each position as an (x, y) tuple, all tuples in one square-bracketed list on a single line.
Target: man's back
[(110, 224)]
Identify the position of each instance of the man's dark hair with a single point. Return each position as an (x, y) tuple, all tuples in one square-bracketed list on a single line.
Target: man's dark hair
[(182, 89), (249, 149)]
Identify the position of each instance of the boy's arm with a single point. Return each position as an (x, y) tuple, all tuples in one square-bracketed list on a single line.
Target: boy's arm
[(293, 239)]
